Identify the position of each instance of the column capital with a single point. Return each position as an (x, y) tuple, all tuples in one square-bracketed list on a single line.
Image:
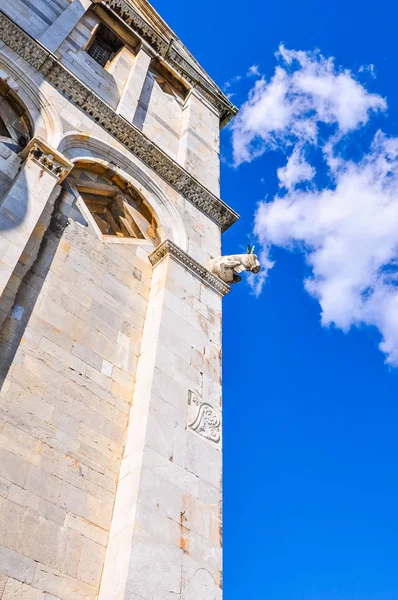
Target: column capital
[(168, 248), (48, 158)]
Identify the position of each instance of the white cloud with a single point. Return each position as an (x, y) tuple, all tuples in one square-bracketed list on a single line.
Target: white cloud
[(253, 71), (368, 69), (296, 170), (305, 91), (347, 229), (232, 81)]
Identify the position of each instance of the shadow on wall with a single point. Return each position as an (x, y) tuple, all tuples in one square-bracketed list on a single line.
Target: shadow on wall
[(21, 293), (12, 209), (143, 102)]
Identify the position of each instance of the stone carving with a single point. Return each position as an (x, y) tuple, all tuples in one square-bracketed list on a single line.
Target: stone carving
[(204, 419), (228, 268), (205, 585), (137, 142), (169, 248), (48, 158)]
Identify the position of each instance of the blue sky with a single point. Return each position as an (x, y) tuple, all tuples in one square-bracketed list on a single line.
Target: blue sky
[(310, 411)]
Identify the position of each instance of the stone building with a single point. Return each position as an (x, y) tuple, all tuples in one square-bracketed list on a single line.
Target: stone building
[(110, 319)]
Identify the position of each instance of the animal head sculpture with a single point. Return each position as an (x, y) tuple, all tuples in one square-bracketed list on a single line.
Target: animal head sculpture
[(228, 268)]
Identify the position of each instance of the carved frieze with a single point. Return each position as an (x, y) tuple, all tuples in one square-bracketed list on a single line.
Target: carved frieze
[(198, 270), (137, 142), (204, 419)]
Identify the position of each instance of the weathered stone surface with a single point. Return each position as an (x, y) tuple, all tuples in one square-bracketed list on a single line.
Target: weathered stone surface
[(110, 474), (14, 565)]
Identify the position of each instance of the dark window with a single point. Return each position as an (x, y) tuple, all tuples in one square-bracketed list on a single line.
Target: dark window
[(3, 129), (104, 45), (113, 215)]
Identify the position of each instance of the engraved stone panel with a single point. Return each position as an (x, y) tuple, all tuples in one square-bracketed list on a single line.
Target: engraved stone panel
[(204, 419)]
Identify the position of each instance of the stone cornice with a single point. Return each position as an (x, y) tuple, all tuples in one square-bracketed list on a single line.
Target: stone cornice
[(172, 56), (134, 20), (168, 248), (139, 144)]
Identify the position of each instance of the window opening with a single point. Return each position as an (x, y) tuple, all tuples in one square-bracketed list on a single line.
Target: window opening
[(15, 129), (104, 46), (3, 129), (116, 207), (113, 215)]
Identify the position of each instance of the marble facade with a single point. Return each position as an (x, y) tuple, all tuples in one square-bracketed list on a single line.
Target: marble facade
[(110, 316)]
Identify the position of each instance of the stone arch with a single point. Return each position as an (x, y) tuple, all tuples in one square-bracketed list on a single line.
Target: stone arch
[(115, 208), (44, 118), (78, 147)]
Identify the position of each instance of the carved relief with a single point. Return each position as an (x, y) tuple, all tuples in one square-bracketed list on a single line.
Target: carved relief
[(228, 268), (48, 158), (204, 419)]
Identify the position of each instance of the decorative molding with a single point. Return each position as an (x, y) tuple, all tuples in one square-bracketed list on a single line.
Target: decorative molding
[(168, 248), (204, 419), (134, 20), (138, 143), (170, 55), (48, 158)]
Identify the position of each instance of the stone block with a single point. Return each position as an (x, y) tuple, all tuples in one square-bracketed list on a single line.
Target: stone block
[(13, 440), (72, 498), (16, 566), (91, 561), (163, 562), (197, 456), (13, 468), (86, 529), (16, 590), (98, 512), (61, 586), (43, 484)]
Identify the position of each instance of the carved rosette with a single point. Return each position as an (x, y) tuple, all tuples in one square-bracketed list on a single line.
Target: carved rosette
[(204, 419)]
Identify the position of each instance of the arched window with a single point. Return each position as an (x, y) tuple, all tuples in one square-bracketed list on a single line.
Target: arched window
[(116, 208), (15, 127)]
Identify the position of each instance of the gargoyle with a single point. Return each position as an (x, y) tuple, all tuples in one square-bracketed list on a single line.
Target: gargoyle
[(228, 268)]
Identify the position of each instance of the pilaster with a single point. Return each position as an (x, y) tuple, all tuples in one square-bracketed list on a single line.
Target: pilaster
[(165, 538), (54, 35), (132, 91), (43, 168), (199, 144)]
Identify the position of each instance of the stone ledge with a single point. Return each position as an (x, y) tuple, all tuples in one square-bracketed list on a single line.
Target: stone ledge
[(138, 143), (168, 248)]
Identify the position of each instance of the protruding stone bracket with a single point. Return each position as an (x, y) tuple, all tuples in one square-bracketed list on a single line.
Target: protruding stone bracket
[(168, 248), (48, 158)]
